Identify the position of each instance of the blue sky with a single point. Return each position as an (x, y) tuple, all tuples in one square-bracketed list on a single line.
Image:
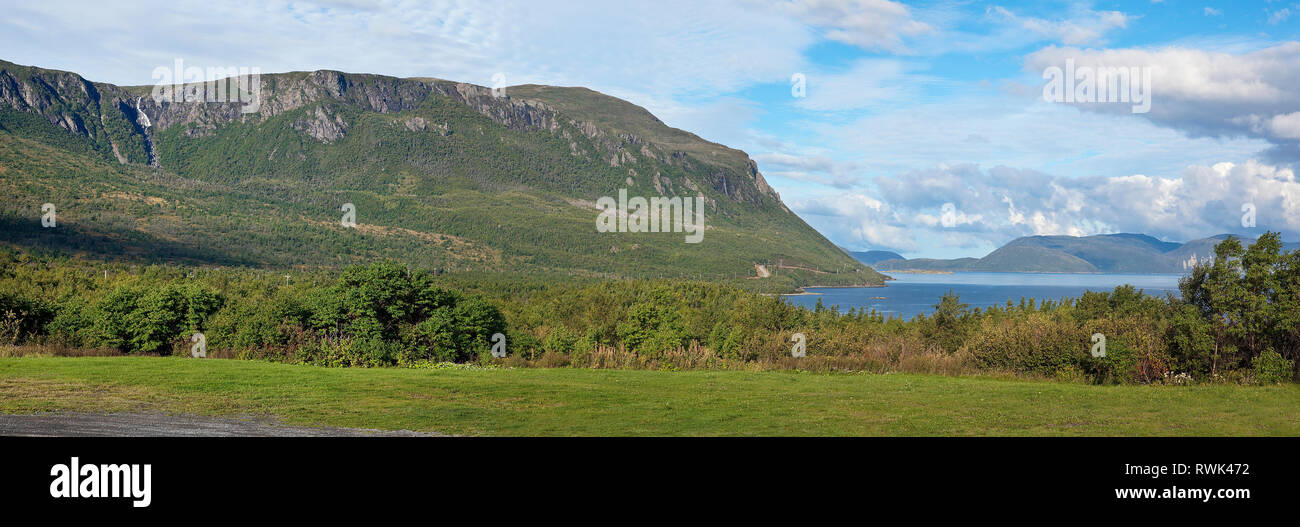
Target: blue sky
[(908, 107)]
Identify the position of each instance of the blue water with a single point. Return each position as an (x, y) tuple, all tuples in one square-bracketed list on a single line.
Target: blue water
[(913, 293)]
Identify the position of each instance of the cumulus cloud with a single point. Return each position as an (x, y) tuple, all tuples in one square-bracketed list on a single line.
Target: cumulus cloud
[(857, 218), (993, 206), (1205, 93)]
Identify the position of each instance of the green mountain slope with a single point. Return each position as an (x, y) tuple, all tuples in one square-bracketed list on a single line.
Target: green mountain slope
[(1033, 259), (442, 175)]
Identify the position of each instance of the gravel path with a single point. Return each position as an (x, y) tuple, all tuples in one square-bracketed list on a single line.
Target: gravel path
[(163, 425)]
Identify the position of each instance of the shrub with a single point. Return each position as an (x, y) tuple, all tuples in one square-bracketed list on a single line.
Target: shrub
[(652, 328), (1119, 365), (1034, 343), (151, 319), (559, 340), (1271, 368), (22, 318), (552, 359), (1190, 340)]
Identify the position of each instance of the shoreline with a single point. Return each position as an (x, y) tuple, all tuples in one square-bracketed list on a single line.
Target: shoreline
[(924, 271), (803, 292)]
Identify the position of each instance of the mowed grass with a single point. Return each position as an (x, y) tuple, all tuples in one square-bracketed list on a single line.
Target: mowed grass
[(569, 402)]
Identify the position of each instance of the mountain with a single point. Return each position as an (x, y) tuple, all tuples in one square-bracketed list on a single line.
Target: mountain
[(871, 257), (1103, 253), (440, 174)]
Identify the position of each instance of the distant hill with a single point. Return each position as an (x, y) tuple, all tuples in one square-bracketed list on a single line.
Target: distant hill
[(871, 257), (1103, 253), (442, 175)]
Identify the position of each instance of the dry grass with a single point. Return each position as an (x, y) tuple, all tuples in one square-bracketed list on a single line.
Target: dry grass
[(25, 395), (54, 350)]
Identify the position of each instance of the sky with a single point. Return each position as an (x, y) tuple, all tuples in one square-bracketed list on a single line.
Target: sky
[(925, 128)]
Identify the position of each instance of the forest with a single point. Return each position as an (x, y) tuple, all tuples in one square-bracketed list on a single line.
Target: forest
[(1236, 321)]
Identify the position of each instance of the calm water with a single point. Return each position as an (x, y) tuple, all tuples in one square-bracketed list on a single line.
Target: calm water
[(911, 294)]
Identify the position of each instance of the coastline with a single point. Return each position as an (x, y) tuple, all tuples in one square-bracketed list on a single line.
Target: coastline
[(802, 290)]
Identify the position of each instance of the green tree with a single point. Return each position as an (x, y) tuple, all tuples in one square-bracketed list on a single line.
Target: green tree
[(148, 319), (949, 321)]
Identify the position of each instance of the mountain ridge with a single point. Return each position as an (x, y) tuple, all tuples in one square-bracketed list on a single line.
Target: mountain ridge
[(1101, 253), (429, 164)]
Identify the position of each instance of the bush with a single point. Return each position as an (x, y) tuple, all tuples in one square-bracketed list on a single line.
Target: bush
[(652, 328), (726, 341), (559, 340), (151, 319), (1035, 343), (1271, 368), (1190, 341), (382, 305), (1118, 366), (22, 318), (345, 352), (552, 359)]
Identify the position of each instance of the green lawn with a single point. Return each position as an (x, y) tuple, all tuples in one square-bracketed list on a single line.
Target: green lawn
[(606, 402)]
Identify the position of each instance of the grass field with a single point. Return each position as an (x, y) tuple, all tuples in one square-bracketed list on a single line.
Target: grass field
[(608, 402)]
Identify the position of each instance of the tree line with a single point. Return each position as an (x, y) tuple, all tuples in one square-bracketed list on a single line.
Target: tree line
[(1237, 320)]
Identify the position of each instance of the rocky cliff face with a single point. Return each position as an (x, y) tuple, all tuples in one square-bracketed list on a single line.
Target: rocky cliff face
[(447, 175), (127, 120)]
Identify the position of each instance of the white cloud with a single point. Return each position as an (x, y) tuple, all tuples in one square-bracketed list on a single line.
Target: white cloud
[(866, 83), (868, 24), (808, 167), (1279, 16), (996, 205), (667, 49), (1204, 93), (1210, 11), (1285, 126), (856, 219), (990, 128), (1084, 27)]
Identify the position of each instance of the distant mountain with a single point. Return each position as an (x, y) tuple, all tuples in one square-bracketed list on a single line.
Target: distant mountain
[(1103, 253), (871, 257), (440, 174)]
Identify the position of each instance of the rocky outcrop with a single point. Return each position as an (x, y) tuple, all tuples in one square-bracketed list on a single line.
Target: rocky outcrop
[(322, 126), (126, 120)]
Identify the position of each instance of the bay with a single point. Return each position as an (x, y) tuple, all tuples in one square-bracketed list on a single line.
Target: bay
[(910, 294)]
